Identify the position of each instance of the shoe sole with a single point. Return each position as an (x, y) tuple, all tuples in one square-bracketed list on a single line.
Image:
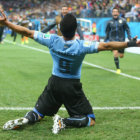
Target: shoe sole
[(15, 124), (57, 124)]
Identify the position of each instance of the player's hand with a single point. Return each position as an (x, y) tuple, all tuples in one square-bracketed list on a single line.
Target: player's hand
[(138, 43), (135, 38), (2, 18), (133, 42)]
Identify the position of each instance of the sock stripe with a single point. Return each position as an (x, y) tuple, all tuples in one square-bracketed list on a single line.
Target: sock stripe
[(35, 110)]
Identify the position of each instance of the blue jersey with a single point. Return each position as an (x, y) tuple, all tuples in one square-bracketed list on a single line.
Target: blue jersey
[(67, 55)]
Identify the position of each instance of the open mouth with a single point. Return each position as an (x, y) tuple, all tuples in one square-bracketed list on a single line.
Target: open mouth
[(115, 16)]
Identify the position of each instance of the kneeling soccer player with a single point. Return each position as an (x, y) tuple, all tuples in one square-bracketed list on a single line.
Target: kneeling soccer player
[(64, 85)]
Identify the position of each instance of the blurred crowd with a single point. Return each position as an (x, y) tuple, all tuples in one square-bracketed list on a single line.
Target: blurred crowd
[(80, 8)]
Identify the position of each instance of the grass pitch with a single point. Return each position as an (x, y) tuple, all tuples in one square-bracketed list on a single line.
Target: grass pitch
[(24, 74)]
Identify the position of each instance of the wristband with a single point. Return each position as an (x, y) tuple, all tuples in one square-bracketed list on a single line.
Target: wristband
[(132, 43)]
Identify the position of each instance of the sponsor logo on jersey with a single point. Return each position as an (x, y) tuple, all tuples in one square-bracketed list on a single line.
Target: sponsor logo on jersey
[(65, 46), (87, 43), (120, 21), (46, 36)]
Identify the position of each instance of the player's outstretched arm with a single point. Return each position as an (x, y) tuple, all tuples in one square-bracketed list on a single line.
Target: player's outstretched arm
[(19, 29), (118, 45)]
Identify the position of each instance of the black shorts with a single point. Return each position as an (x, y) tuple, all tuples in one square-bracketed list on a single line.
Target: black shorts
[(121, 51), (63, 91)]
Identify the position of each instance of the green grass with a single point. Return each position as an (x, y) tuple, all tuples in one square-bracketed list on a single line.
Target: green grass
[(24, 74), (110, 125)]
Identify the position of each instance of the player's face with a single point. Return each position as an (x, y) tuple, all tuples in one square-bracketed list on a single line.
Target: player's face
[(115, 13), (64, 11)]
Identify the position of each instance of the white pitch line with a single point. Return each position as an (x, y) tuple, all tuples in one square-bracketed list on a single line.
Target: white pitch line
[(113, 71), (63, 109), (87, 63)]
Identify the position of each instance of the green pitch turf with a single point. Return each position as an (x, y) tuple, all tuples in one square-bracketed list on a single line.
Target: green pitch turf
[(25, 72)]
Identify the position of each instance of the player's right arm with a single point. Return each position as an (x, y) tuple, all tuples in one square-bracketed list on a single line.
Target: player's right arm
[(19, 29), (126, 27)]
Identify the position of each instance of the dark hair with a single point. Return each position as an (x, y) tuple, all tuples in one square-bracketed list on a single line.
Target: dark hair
[(68, 26), (115, 8)]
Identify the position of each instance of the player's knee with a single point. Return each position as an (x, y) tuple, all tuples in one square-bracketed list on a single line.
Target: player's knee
[(76, 121), (115, 53), (33, 116), (79, 121), (121, 56)]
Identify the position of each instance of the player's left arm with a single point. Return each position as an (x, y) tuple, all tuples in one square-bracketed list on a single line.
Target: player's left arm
[(107, 31), (118, 45), (19, 29), (127, 29)]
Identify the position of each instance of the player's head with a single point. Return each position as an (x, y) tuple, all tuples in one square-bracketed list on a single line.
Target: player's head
[(64, 10), (115, 13), (68, 26)]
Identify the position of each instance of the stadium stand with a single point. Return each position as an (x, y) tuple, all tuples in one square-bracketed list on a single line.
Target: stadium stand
[(81, 8), (87, 12)]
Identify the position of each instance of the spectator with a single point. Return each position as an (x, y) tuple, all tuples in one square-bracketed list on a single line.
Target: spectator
[(80, 8)]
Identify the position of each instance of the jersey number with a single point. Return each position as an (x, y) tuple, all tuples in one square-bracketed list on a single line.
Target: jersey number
[(64, 65)]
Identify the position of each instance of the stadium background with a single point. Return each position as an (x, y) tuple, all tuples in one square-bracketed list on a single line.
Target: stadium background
[(42, 13), (23, 73)]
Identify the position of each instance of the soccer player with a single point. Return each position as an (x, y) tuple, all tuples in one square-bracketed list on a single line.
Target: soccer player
[(64, 11), (25, 23), (64, 86), (1, 33), (14, 34), (115, 31)]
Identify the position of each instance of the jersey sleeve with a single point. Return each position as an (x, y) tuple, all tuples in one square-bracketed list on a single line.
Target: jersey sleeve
[(90, 47), (43, 38), (127, 29)]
